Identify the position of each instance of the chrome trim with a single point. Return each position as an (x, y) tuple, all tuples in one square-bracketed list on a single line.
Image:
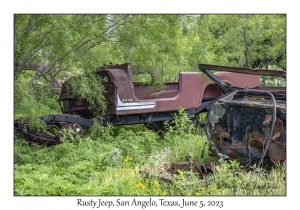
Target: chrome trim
[(135, 105)]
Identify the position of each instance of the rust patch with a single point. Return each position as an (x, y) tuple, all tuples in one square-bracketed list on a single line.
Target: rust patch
[(246, 128), (202, 169), (268, 120), (276, 136), (277, 152), (243, 70)]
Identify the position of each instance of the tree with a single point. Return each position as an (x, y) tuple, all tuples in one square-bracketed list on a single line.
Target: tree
[(51, 44), (253, 41)]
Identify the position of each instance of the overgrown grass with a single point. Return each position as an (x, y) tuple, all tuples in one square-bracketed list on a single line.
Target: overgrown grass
[(108, 160)]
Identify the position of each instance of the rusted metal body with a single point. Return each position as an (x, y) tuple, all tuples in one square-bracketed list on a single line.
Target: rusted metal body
[(244, 70), (249, 124), (245, 121), (125, 97)]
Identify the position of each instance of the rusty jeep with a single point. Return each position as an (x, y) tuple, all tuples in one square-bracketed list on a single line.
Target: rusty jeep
[(245, 120)]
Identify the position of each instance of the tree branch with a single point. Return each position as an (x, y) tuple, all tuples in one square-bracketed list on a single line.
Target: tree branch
[(279, 54), (246, 43), (30, 26), (267, 50), (258, 34)]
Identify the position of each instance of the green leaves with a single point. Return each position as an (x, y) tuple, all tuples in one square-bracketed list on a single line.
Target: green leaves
[(55, 40), (170, 43), (110, 166), (89, 86)]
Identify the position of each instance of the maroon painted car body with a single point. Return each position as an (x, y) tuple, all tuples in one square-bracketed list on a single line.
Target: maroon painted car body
[(125, 97), (245, 121)]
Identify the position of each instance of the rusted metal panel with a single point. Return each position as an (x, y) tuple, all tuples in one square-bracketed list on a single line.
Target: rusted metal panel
[(248, 125), (141, 90), (124, 97), (110, 90), (239, 79), (243, 70), (202, 169), (191, 166)]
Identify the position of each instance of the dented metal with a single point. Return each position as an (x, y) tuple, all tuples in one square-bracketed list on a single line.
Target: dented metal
[(190, 166)]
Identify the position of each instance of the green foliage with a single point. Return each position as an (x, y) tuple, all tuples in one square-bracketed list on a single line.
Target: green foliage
[(32, 100), (245, 40), (151, 77), (271, 80), (108, 163), (168, 43), (54, 40), (89, 86), (98, 131), (69, 135), (156, 44), (181, 134), (253, 181)]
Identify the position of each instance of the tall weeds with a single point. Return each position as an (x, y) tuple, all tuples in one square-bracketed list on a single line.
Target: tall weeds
[(108, 161)]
